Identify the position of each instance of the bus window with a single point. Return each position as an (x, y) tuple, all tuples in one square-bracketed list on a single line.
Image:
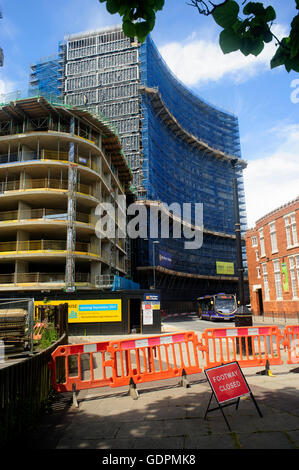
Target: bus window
[(225, 304)]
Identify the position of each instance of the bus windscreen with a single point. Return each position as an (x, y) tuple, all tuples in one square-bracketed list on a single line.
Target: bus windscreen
[(225, 304)]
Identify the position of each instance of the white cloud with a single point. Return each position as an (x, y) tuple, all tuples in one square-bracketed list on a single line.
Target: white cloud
[(93, 16), (273, 180), (7, 86), (200, 60)]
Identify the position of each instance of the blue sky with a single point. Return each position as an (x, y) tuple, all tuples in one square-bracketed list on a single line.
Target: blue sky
[(261, 98)]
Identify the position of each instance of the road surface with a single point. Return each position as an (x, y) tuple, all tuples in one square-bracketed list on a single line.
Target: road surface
[(192, 322)]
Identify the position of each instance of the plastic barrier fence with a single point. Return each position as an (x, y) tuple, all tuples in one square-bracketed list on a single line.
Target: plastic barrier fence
[(118, 363), (250, 347), (154, 358), (291, 335), (81, 366)]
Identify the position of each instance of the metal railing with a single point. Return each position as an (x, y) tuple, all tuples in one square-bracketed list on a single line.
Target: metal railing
[(37, 277), (45, 245), (277, 317), (44, 183), (21, 400), (104, 281), (53, 214), (46, 154)]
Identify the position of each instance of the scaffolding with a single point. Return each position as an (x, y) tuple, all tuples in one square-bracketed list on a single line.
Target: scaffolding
[(70, 270), (46, 77), (188, 150), (179, 147), (1, 50), (101, 72)]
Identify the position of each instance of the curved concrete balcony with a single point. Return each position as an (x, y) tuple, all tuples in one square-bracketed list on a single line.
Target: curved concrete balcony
[(38, 280), (36, 220), (47, 187), (45, 249), (86, 162)]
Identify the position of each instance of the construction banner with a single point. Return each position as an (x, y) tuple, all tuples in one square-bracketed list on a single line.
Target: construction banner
[(285, 279), (223, 267), (91, 310)]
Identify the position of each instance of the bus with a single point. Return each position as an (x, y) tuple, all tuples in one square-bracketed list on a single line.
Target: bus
[(217, 306)]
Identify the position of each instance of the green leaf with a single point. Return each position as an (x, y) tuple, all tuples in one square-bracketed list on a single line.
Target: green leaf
[(295, 63), (229, 41), (247, 46), (270, 14), (280, 57), (294, 42), (258, 47), (295, 22), (112, 6), (129, 28), (267, 36), (142, 29), (237, 26), (226, 14), (123, 10), (254, 8), (159, 5)]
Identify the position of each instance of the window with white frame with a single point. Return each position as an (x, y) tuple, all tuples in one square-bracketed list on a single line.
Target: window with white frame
[(254, 241), (262, 242), (273, 237), (266, 283), (258, 269), (291, 230), (257, 255), (277, 279), (293, 275)]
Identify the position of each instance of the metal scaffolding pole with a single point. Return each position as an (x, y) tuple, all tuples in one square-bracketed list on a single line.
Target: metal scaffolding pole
[(238, 237), (71, 225)]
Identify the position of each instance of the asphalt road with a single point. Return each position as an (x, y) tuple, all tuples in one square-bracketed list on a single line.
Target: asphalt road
[(193, 323)]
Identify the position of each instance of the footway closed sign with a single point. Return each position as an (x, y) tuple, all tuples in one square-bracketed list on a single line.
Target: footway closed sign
[(227, 382)]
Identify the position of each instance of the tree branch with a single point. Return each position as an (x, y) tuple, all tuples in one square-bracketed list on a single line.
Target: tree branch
[(202, 11)]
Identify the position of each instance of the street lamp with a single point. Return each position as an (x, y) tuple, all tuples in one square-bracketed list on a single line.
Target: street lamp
[(238, 237), (154, 262)]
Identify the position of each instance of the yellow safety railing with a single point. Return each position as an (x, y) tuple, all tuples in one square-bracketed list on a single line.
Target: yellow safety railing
[(54, 155), (52, 214), (45, 245), (37, 277), (44, 183), (64, 156)]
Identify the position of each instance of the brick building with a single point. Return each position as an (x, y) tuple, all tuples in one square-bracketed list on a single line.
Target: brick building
[(273, 262)]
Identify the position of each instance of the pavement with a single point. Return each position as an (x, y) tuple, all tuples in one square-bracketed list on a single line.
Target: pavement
[(167, 417)]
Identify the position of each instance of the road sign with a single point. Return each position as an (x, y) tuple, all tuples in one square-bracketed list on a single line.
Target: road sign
[(227, 382), (228, 385)]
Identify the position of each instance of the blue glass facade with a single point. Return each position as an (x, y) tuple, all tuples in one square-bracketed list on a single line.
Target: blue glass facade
[(175, 169)]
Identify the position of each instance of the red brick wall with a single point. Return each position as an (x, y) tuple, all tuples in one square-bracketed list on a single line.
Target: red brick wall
[(288, 306)]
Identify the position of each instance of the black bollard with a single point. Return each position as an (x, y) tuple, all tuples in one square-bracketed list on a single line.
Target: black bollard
[(243, 317)]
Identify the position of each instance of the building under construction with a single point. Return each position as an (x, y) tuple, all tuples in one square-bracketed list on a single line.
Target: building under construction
[(1, 50), (57, 164), (180, 149)]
